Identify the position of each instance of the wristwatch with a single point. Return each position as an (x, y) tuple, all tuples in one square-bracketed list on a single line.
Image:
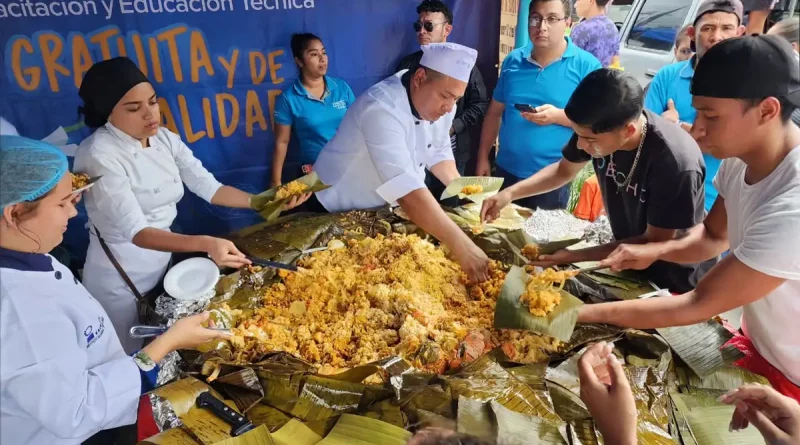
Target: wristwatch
[(144, 362)]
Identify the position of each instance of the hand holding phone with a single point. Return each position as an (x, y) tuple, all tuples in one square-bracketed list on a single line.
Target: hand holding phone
[(525, 108)]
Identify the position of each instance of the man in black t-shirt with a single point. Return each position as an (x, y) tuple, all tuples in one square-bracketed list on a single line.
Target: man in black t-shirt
[(650, 172)]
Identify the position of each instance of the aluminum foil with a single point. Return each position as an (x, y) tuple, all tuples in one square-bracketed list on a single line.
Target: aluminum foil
[(173, 309), (163, 413), (599, 232), (554, 225), (170, 369)]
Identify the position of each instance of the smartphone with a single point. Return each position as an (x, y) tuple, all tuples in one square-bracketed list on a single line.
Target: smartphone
[(525, 108)]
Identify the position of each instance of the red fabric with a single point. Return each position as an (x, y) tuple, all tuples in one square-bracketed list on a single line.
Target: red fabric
[(755, 363), (146, 425)]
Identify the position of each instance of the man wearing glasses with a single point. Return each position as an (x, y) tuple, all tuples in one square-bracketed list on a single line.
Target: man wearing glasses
[(434, 26), (527, 109)]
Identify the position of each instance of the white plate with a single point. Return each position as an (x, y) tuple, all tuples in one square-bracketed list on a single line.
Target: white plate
[(191, 279)]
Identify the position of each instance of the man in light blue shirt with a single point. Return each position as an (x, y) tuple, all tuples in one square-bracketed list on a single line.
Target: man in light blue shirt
[(668, 94), (535, 85)]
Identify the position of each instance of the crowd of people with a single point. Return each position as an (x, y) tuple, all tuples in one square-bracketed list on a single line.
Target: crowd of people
[(699, 175)]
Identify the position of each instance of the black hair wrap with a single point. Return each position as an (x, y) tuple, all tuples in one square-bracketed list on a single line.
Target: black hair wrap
[(104, 85)]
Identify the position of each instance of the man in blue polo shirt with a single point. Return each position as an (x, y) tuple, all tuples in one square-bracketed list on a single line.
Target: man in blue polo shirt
[(669, 95), (527, 108)]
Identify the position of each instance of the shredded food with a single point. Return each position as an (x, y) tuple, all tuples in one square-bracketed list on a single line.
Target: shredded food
[(472, 189), (382, 297), (290, 189), (542, 293), (79, 180), (531, 252)]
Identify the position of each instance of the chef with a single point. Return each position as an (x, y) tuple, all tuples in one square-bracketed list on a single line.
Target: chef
[(65, 378), (144, 168), (390, 135)]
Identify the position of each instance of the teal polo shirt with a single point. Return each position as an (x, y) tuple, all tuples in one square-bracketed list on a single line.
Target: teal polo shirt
[(314, 121), (526, 148), (673, 82)]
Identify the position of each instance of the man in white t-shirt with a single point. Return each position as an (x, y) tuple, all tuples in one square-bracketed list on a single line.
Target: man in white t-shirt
[(745, 90)]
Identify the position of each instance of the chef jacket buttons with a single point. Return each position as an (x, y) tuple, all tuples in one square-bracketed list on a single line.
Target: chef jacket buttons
[(76, 279), (176, 180), (58, 275), (429, 145), (156, 190), (421, 165), (416, 123)]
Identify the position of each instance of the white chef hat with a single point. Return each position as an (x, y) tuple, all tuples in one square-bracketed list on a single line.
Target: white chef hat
[(450, 59)]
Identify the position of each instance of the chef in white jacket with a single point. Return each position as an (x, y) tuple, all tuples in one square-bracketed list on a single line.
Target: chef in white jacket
[(63, 374), (144, 168), (390, 135)]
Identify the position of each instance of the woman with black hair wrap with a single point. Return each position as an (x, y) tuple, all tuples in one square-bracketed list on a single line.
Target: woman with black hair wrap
[(144, 168)]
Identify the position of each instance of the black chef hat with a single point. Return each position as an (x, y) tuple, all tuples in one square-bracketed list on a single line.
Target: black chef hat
[(103, 87)]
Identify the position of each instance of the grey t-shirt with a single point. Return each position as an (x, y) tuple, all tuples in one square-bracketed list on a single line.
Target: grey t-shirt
[(666, 191)]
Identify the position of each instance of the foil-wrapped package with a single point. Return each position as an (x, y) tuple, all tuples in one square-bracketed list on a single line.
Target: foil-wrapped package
[(599, 232), (163, 413), (173, 309), (554, 225), (170, 369)]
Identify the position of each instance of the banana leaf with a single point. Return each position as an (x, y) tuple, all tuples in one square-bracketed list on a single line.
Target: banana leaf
[(704, 421), (701, 346), (174, 436), (390, 366), (613, 287), (258, 436), (242, 386), (568, 405), (475, 418), (485, 380), (490, 187), (295, 433), (202, 425), (521, 238), (387, 411), (270, 208), (324, 398), (514, 428), (511, 313), (359, 430), (272, 418), (725, 379), (584, 432)]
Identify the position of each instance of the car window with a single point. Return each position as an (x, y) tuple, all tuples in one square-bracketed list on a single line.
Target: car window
[(658, 23), (619, 9)]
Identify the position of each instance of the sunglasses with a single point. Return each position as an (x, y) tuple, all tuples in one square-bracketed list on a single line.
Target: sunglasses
[(429, 26)]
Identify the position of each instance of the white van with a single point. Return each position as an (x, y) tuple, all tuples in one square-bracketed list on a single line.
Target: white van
[(648, 29)]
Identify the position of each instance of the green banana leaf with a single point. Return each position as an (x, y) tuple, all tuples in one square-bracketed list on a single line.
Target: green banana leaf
[(270, 208), (514, 428), (511, 313), (490, 187), (701, 346)]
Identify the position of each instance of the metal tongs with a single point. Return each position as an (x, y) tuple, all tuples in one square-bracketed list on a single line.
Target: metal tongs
[(589, 269), (144, 331)]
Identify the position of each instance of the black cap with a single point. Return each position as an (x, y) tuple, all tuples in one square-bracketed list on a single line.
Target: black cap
[(709, 6), (751, 67), (103, 87)]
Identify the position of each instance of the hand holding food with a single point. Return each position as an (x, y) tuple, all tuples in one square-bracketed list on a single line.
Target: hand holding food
[(474, 262), (558, 257), (491, 207)]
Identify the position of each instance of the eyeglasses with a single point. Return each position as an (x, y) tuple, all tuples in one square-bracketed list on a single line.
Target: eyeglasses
[(536, 21), (429, 26)]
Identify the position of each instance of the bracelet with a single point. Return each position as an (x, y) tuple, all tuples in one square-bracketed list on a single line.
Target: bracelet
[(144, 362)]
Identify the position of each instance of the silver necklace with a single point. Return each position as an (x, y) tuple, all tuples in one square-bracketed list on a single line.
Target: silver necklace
[(627, 181)]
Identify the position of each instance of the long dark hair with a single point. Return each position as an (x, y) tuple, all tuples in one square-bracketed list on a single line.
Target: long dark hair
[(300, 43)]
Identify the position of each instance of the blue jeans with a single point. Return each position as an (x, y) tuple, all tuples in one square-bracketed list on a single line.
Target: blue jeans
[(557, 199)]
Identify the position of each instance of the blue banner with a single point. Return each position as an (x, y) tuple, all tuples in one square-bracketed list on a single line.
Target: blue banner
[(217, 66)]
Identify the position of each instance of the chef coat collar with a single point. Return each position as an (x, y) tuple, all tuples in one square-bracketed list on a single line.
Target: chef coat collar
[(129, 142), (406, 81), (26, 262)]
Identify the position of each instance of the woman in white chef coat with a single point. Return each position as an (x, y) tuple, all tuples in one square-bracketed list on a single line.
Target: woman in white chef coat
[(63, 373), (131, 209), (390, 135)]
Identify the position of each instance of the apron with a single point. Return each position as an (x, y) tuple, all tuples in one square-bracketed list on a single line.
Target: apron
[(144, 267)]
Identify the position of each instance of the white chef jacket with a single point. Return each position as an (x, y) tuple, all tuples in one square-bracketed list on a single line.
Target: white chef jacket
[(140, 188), (64, 374), (380, 151)]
